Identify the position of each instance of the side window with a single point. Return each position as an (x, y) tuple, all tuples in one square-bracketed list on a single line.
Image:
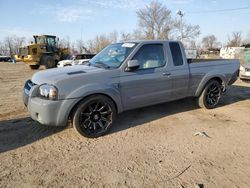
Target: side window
[(176, 53), (150, 56), (51, 41)]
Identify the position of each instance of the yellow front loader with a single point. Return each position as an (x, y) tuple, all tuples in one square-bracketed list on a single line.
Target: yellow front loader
[(43, 51)]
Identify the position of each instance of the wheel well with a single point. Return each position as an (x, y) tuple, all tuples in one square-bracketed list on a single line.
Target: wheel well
[(218, 79), (74, 107)]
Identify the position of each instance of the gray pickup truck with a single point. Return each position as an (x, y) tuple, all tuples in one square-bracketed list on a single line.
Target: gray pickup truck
[(121, 77)]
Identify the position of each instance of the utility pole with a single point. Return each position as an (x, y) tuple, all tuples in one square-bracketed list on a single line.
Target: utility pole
[(181, 14)]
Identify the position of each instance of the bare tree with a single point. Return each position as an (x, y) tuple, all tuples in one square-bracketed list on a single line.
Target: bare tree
[(73, 48), (79, 46), (12, 44), (155, 21), (113, 36), (98, 43), (101, 41), (125, 36), (64, 43), (17, 43), (210, 41), (246, 40), (192, 45), (186, 32), (8, 42), (235, 40), (137, 35), (3, 50)]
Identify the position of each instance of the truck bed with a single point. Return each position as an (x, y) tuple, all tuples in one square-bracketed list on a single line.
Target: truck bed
[(201, 69), (205, 60)]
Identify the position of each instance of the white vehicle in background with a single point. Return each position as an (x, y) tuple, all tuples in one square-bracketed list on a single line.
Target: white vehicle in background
[(245, 65), (245, 72), (78, 59), (64, 63), (231, 52)]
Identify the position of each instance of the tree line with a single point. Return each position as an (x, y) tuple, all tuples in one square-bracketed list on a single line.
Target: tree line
[(155, 22)]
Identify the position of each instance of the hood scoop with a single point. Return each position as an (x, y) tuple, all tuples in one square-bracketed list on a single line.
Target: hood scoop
[(76, 72)]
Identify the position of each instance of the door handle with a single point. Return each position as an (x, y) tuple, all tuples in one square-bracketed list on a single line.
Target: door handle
[(166, 74)]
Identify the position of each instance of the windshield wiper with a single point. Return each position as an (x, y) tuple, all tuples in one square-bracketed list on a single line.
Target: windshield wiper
[(101, 65)]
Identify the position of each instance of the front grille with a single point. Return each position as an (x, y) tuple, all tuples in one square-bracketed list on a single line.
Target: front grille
[(28, 85), (34, 51)]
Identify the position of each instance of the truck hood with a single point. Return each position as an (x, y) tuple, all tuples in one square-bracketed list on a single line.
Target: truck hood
[(54, 75)]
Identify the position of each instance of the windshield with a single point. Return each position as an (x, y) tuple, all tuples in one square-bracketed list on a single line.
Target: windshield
[(113, 55), (40, 40), (51, 41)]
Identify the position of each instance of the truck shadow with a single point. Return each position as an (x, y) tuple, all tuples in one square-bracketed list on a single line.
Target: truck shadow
[(16, 133), (140, 116), (235, 94)]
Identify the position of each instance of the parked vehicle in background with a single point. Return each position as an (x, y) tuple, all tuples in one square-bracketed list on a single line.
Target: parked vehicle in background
[(231, 52), (213, 53), (78, 59), (44, 51), (245, 65), (5, 58), (121, 77), (245, 72)]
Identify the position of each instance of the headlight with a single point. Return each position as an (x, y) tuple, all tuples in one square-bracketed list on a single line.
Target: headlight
[(247, 69), (48, 91)]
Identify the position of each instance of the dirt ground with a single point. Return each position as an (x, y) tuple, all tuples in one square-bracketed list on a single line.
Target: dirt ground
[(149, 147)]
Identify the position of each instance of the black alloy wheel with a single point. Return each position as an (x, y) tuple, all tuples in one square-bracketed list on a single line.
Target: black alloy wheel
[(211, 95), (94, 116)]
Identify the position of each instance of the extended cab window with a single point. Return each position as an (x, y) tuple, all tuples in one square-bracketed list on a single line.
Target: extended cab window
[(176, 53), (150, 56)]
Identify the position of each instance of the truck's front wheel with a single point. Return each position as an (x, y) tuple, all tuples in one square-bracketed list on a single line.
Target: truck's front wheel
[(94, 116), (210, 95), (48, 61)]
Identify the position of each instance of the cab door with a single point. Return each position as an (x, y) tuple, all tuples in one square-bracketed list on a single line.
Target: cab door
[(179, 71), (149, 84)]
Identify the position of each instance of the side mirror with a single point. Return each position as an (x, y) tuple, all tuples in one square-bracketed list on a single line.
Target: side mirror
[(132, 65)]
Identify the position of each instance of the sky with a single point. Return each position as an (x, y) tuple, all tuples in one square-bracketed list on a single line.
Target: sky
[(84, 19)]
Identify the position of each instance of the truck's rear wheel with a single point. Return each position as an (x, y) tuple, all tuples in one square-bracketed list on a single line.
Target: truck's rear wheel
[(94, 116), (34, 66), (210, 95)]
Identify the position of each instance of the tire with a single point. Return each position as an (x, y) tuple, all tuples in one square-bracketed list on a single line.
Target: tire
[(48, 61), (94, 116), (34, 67), (210, 95)]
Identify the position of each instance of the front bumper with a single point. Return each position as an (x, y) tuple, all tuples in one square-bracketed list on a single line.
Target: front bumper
[(245, 75), (46, 112)]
